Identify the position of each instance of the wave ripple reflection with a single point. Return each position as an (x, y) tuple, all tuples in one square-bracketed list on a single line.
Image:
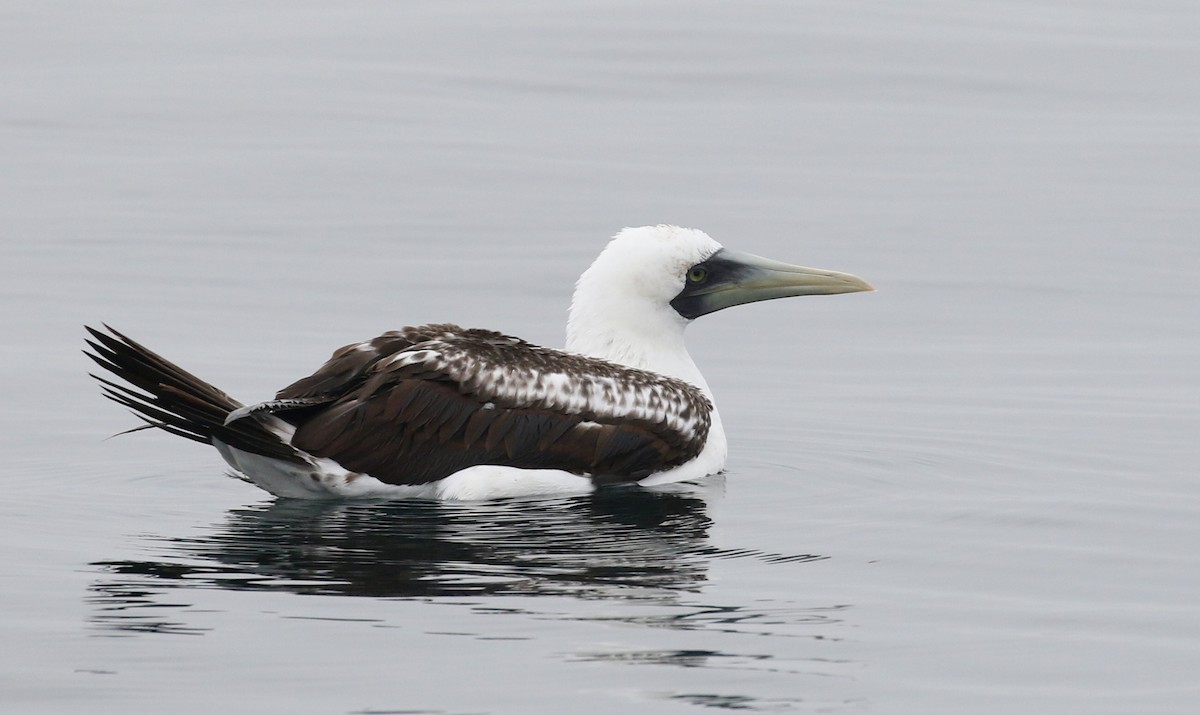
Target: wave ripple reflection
[(623, 543)]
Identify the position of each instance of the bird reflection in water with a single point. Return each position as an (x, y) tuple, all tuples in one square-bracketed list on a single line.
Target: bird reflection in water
[(623, 543)]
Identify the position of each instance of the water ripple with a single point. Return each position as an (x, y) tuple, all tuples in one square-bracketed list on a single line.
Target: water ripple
[(626, 544)]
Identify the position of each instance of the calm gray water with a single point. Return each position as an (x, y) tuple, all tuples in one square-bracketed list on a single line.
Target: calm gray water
[(973, 491)]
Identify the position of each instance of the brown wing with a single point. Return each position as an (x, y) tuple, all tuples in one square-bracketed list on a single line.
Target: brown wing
[(350, 365), (428, 410)]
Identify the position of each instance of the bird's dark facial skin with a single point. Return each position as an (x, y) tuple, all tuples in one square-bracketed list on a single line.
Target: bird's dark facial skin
[(701, 279)]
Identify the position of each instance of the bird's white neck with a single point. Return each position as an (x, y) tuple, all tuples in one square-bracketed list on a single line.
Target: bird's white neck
[(654, 343)]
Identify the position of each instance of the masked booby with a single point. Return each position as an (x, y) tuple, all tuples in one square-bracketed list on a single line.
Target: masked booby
[(443, 412)]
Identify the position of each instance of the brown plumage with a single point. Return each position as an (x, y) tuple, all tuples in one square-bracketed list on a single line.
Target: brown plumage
[(416, 405), (176, 401)]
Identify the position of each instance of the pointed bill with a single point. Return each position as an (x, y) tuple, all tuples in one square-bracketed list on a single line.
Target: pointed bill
[(731, 278)]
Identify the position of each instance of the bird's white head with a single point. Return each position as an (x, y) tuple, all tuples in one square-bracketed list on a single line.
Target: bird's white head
[(632, 305), (623, 300)]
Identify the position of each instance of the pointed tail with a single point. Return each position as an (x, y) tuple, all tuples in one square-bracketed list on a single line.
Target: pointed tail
[(166, 396)]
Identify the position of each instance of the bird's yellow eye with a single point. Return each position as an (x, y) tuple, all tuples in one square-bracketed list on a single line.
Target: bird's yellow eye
[(697, 275)]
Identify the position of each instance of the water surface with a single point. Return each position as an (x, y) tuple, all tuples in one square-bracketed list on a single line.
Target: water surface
[(973, 491)]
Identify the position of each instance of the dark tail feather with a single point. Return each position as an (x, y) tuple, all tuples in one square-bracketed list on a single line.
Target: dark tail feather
[(176, 401)]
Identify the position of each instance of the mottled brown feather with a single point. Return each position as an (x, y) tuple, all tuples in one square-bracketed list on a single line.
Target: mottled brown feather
[(419, 404)]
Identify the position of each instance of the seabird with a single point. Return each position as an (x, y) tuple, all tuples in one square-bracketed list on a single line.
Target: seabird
[(443, 412)]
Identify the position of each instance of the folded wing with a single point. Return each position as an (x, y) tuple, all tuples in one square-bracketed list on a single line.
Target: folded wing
[(417, 405)]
